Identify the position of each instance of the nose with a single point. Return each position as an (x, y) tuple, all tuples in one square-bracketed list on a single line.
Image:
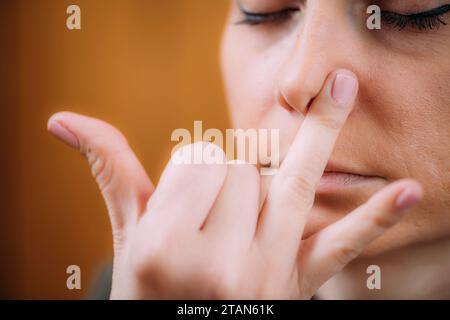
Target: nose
[(323, 42)]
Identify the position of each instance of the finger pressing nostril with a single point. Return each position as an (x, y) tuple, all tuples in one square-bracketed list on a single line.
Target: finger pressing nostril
[(344, 89)]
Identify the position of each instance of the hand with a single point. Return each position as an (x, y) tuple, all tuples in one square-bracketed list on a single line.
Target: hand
[(203, 233)]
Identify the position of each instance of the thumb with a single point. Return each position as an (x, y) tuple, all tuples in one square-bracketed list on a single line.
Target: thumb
[(120, 176)]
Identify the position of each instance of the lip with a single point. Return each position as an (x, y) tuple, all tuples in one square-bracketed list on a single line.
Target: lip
[(341, 180), (337, 178), (347, 176)]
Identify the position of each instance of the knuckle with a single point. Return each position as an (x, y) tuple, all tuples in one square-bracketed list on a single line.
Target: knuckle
[(381, 221), (101, 155), (328, 121), (149, 258), (345, 252), (220, 281), (299, 188), (101, 170), (102, 166)]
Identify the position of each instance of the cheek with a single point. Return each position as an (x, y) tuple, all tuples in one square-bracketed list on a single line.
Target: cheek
[(409, 108), (413, 116), (250, 78)]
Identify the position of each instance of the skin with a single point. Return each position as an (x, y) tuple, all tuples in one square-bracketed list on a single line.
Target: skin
[(308, 233), (398, 129)]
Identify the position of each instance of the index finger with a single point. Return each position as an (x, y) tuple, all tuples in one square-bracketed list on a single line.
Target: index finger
[(291, 194)]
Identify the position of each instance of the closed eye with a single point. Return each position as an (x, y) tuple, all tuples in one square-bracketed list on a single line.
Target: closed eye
[(256, 18), (428, 20)]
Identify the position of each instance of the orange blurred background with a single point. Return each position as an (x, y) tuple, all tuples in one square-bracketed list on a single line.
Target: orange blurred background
[(146, 66)]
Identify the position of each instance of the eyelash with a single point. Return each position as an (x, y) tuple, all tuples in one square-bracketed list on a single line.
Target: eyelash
[(253, 19), (429, 20)]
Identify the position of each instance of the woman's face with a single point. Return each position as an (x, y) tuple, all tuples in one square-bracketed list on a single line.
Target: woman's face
[(274, 65)]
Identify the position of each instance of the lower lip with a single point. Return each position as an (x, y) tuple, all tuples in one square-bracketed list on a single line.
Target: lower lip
[(333, 181)]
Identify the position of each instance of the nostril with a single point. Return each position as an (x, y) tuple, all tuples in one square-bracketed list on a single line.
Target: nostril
[(301, 107), (308, 105)]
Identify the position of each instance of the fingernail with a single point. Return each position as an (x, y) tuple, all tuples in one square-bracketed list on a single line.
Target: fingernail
[(344, 87), (408, 198), (63, 133)]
